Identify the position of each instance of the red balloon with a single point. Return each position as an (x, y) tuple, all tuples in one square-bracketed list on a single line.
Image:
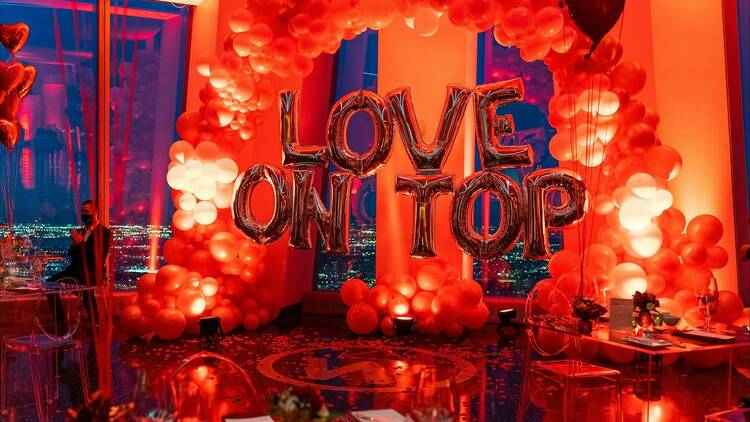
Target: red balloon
[(249, 305), (150, 308), (202, 262), (446, 306), (421, 304), (169, 324), (665, 263), (362, 319), (386, 326), (694, 254), (170, 278), (563, 262), (398, 306), (378, 298), (353, 291), (227, 316), (629, 76), (475, 317), (685, 298), (133, 322), (717, 257), (692, 278), (730, 307), (705, 229), (176, 251), (673, 221), (679, 242), (469, 292), (251, 322), (146, 284), (405, 285), (429, 326), (638, 139), (188, 126)]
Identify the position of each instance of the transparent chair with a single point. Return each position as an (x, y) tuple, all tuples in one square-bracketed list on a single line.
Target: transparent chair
[(565, 387), (210, 387), (56, 319)]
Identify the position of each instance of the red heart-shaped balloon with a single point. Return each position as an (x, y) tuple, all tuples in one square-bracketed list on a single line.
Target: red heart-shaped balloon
[(14, 36), (8, 133), (10, 75), (27, 82), (9, 107)]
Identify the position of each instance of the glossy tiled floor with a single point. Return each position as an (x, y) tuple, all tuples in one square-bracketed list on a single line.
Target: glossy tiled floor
[(375, 372)]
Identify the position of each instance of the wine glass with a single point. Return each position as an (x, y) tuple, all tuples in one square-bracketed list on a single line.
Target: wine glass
[(708, 302), (436, 399), (153, 403)]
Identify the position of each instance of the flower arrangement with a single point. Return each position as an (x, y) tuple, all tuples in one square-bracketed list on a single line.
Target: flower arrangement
[(644, 308), (586, 310), (300, 404)]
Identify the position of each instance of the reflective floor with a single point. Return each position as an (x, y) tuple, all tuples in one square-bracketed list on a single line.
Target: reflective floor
[(375, 372)]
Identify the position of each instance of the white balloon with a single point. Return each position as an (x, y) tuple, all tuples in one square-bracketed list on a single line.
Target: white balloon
[(187, 201), (183, 220), (635, 213), (178, 178), (227, 170), (204, 212)]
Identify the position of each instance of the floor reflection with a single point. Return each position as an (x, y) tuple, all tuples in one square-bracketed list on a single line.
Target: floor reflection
[(375, 372)]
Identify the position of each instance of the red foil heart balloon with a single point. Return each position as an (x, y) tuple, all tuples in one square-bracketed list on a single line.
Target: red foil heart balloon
[(27, 82), (9, 106), (14, 36), (11, 75), (8, 133)]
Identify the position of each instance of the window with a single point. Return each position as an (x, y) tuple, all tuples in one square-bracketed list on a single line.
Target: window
[(49, 173), (511, 274), (356, 68)]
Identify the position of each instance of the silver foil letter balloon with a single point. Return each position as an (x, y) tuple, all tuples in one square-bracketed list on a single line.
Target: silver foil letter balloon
[(428, 159), (241, 209), (333, 225), (541, 211), (478, 245), (492, 129), (424, 189), (294, 154), (362, 165)]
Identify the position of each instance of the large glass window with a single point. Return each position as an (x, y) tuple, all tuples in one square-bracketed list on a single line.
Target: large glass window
[(49, 173), (511, 274), (356, 68), (147, 86)]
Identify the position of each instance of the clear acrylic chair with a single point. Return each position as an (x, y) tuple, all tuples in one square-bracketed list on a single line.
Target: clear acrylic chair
[(566, 386), (56, 319), (209, 387)]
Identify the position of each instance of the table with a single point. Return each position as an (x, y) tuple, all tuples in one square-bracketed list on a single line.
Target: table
[(604, 336)]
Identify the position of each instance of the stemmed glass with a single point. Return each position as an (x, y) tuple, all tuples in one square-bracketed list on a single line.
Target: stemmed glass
[(153, 403), (436, 399), (708, 302)]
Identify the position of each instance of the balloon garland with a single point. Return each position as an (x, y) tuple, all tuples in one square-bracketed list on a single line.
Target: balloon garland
[(638, 242)]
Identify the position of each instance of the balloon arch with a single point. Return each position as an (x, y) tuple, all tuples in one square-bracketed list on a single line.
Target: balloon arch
[(636, 240)]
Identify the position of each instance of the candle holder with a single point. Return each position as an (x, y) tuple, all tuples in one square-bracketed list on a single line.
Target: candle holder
[(403, 325)]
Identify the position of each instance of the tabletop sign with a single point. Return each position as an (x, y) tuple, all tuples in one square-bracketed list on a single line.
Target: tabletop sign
[(620, 313)]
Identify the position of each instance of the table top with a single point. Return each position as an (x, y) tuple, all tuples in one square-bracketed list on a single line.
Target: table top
[(602, 334), (21, 293)]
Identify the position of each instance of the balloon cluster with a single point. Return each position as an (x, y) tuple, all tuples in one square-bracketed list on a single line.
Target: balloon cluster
[(16, 82), (601, 128), (433, 294)]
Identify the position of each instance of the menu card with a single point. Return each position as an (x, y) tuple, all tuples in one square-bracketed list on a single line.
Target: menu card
[(620, 314)]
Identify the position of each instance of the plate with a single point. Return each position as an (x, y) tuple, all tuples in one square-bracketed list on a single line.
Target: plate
[(378, 415)]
